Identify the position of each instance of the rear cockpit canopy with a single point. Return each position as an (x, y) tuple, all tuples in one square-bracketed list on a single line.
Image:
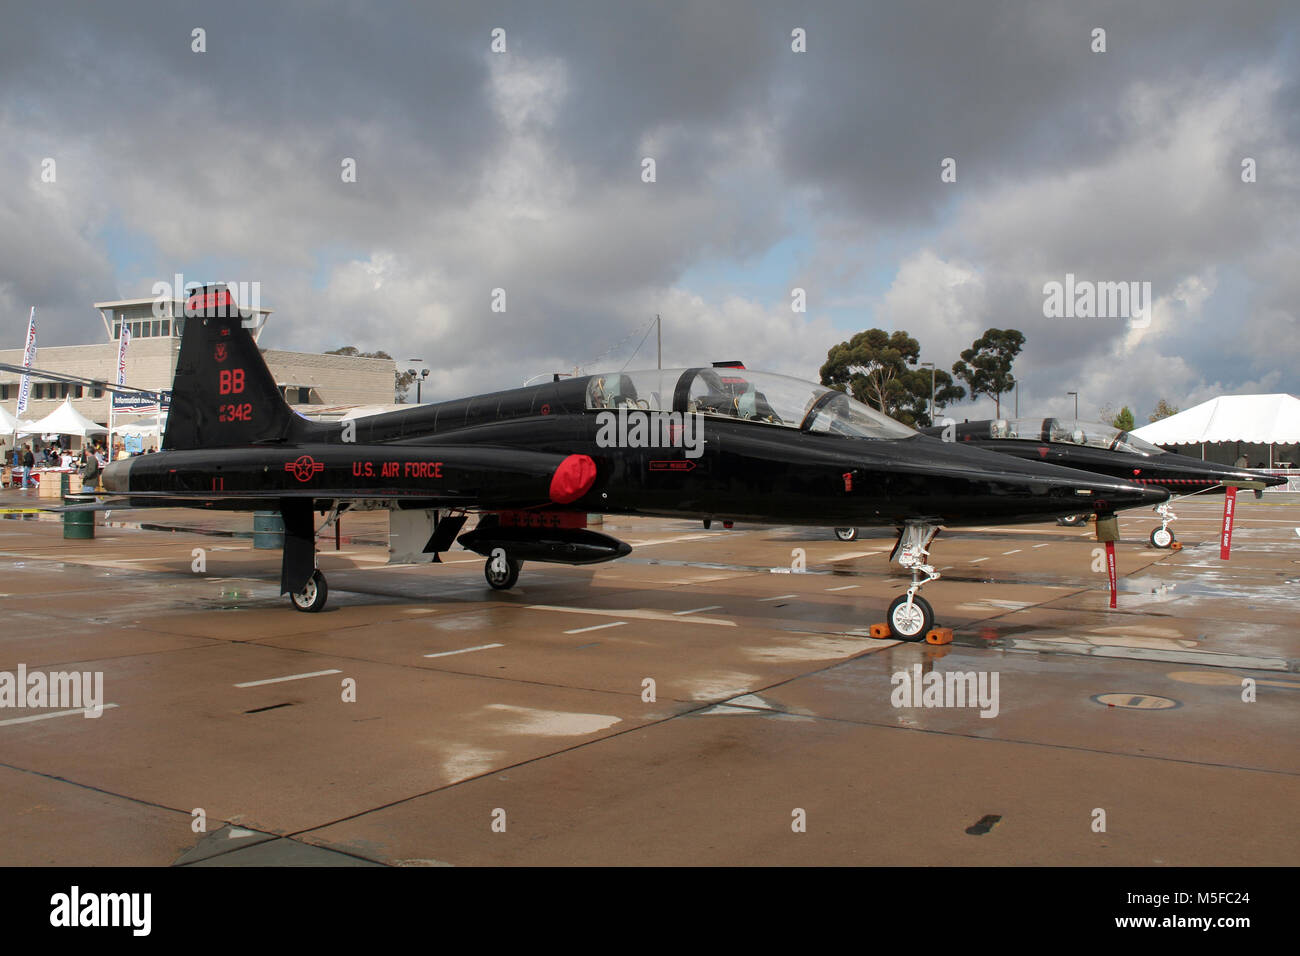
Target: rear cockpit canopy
[(744, 395), (1089, 434)]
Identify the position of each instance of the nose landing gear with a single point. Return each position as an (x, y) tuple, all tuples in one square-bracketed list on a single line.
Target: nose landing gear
[(1162, 537), (910, 616)]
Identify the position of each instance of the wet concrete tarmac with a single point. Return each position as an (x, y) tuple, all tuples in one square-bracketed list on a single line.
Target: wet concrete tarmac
[(698, 702)]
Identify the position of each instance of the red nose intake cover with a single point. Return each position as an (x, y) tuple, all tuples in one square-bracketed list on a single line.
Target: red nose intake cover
[(572, 479)]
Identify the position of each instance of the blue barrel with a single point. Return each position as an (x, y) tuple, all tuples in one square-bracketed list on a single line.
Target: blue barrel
[(268, 530)]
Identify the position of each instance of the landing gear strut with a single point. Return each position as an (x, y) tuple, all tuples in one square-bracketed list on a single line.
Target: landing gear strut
[(1162, 537), (910, 615)]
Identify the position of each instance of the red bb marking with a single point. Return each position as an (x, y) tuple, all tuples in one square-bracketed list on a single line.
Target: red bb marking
[(230, 381)]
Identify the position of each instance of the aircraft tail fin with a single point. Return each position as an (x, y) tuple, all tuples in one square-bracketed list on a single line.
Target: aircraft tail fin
[(223, 393)]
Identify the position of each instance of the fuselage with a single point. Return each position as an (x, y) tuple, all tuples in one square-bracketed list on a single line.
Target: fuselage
[(771, 461)]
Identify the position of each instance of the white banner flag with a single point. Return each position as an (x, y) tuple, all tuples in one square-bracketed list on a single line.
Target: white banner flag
[(29, 356), (122, 341)]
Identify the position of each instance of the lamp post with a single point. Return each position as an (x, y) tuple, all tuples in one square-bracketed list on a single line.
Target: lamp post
[(1076, 404), (930, 366), (419, 376)]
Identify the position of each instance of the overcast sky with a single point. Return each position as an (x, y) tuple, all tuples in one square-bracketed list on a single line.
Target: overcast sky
[(774, 170)]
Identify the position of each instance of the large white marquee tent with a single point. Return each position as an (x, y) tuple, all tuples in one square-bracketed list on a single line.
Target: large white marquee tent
[(1241, 420)]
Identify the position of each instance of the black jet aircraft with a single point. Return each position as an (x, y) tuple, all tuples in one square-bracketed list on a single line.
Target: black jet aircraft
[(532, 463), (1104, 450)]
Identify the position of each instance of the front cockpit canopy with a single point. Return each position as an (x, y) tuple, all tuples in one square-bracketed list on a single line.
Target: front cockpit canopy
[(762, 397), (1089, 434)]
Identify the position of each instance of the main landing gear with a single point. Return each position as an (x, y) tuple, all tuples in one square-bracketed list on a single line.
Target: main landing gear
[(910, 616), (846, 534), (312, 597), (501, 571), (1162, 537)]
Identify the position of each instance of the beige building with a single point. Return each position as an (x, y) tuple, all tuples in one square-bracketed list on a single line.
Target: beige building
[(305, 378)]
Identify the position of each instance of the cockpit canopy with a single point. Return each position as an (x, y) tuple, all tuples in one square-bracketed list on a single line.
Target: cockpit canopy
[(1091, 434), (741, 394)]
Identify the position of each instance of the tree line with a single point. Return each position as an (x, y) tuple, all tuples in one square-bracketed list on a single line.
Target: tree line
[(884, 370)]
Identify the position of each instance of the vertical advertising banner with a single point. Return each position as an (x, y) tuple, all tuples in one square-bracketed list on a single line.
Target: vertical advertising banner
[(123, 340), (29, 356)]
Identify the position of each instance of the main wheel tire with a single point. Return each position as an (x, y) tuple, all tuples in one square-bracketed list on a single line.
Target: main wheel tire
[(312, 597), (1162, 538), (502, 580), (1071, 520), (910, 623), (846, 534)]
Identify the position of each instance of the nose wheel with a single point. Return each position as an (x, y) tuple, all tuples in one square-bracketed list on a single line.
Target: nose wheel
[(846, 534), (910, 617), (312, 597), (1162, 538)]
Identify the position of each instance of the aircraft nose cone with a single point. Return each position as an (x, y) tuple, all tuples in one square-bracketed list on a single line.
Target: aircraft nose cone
[(1117, 495), (1153, 496)]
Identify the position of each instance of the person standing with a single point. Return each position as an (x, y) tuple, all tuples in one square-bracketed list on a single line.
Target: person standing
[(29, 462)]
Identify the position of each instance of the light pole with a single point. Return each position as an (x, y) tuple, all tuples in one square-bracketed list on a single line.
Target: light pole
[(930, 365), (1076, 404), (419, 376)]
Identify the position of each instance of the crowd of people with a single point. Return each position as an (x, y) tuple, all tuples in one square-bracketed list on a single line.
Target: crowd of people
[(89, 461)]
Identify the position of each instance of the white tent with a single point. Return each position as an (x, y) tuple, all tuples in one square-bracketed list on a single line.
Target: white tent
[(9, 424), (64, 420), (1256, 419)]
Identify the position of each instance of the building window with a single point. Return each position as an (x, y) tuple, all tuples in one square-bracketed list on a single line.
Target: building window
[(38, 391), (78, 391), (4, 393), (96, 392)]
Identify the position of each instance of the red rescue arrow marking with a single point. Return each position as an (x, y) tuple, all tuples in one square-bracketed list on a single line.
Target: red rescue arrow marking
[(673, 465)]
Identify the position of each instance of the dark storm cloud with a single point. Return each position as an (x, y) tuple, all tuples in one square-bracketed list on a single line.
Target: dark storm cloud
[(890, 89), (522, 171)]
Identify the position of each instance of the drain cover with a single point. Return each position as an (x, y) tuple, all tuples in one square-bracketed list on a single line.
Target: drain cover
[(1136, 701)]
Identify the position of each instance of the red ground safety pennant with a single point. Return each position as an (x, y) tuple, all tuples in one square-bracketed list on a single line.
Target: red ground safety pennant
[(1229, 506), (1110, 569)]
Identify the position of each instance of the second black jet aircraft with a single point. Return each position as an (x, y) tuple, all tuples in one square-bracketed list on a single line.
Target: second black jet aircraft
[(1104, 450)]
